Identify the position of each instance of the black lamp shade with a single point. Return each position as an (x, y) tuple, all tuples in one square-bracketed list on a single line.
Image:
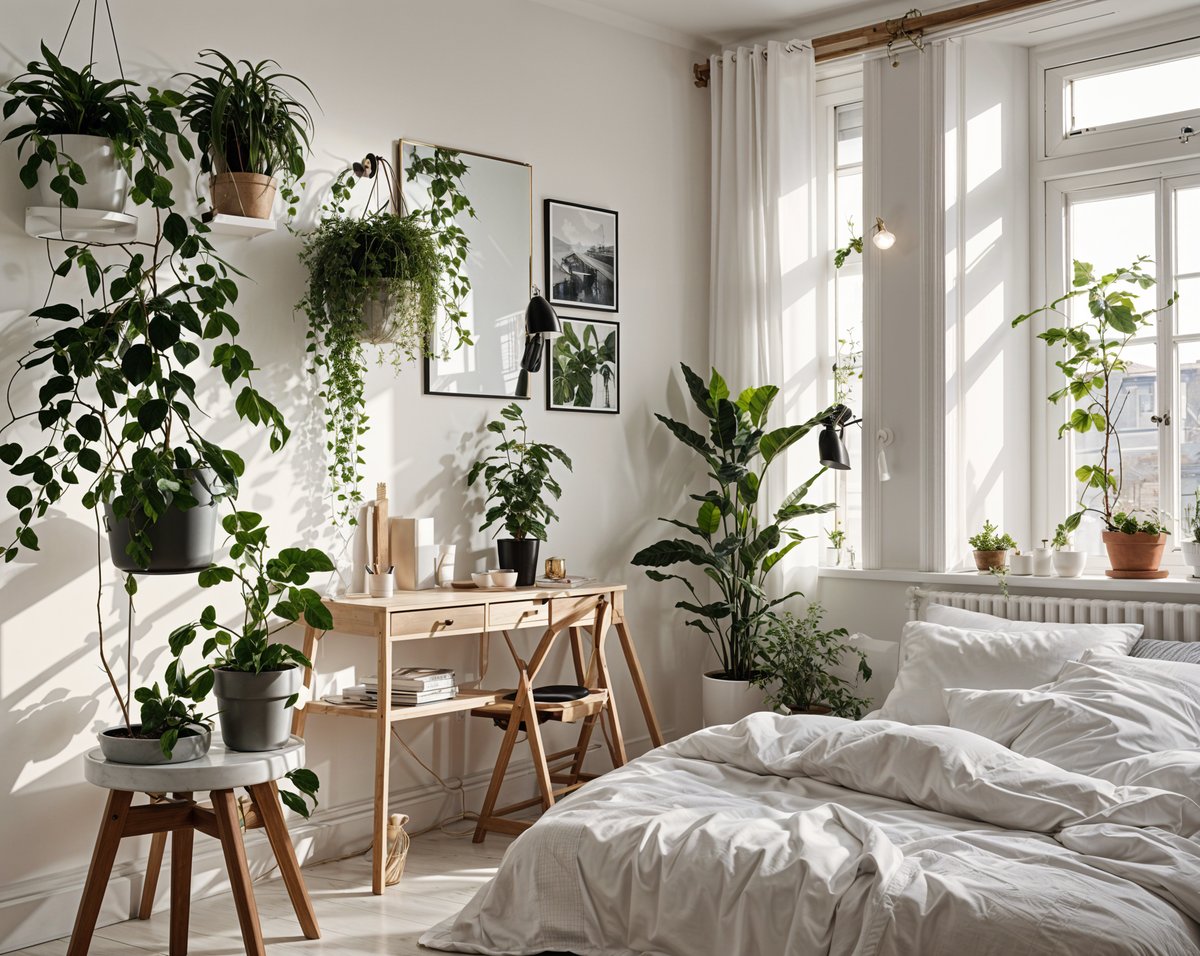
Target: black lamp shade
[(833, 450), (540, 318), (531, 358)]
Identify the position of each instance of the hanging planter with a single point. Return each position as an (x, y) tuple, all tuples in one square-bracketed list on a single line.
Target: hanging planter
[(106, 184), (390, 311), (180, 540)]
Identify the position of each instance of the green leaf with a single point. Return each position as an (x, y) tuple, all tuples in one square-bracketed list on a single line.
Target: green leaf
[(673, 551), (756, 402), (175, 230), (137, 363), (709, 518), (689, 437)]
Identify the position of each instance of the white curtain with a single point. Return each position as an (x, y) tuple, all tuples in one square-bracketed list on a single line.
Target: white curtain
[(765, 266)]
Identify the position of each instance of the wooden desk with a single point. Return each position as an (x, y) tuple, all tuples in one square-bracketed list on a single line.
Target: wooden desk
[(436, 613)]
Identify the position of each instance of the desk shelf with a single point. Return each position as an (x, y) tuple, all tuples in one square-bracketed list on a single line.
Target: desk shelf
[(466, 700)]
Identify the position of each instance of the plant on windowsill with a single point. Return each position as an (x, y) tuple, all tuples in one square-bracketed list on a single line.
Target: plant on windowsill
[(735, 544), (1093, 366), (256, 680), (1191, 529), (249, 131), (1068, 563), (796, 662), (517, 478), (991, 547), (836, 537)]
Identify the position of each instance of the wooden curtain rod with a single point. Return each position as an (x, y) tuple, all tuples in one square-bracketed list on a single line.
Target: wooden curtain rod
[(850, 42)]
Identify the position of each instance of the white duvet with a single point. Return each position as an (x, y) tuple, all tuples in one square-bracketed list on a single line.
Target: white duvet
[(816, 835)]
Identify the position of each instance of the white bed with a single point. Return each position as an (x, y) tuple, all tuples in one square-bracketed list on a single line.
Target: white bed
[(815, 835)]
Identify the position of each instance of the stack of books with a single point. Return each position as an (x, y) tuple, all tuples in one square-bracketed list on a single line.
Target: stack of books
[(410, 686)]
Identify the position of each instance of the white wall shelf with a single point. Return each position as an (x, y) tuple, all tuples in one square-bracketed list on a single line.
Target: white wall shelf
[(80, 225), (227, 225), (1179, 585)]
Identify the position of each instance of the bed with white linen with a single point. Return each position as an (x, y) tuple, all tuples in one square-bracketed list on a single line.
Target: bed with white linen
[(1023, 789)]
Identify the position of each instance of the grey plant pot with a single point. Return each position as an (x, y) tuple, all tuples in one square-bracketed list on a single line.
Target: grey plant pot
[(254, 714), (181, 541), (147, 751)]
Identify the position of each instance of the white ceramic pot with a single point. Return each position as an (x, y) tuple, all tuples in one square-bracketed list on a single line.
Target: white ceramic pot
[(1020, 564), (1043, 562), (728, 701), (1191, 555), (833, 557), (107, 186), (1069, 563)]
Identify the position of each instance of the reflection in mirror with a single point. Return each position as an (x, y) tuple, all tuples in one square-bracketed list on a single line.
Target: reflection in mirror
[(499, 264)]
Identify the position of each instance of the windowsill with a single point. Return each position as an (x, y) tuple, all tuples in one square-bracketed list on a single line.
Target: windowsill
[(1179, 584)]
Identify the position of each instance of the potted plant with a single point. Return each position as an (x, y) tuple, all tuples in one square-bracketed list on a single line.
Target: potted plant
[(79, 143), (836, 537), (171, 729), (1068, 563), (249, 130), (733, 539), (256, 680), (1191, 528), (990, 548), (796, 662), (379, 279), (1094, 363), (518, 481)]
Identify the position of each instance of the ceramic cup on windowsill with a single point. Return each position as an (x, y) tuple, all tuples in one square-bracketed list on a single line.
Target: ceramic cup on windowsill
[(1069, 563), (1191, 556), (1020, 565)]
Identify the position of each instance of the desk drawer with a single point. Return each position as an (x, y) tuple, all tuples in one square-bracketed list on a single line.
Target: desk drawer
[(466, 619), (510, 614)]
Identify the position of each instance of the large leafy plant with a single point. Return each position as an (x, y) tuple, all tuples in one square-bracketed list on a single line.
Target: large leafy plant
[(518, 479), (577, 361), (1093, 363), (732, 541), (796, 662)]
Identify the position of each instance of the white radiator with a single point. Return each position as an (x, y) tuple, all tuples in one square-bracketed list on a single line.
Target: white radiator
[(1163, 622)]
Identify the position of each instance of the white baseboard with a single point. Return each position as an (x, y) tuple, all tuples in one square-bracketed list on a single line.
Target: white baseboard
[(41, 909)]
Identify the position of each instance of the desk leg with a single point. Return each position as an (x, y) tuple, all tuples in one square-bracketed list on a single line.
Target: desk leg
[(266, 799), (181, 884), (300, 714), (230, 832), (617, 742), (383, 758), (639, 682), (112, 825)]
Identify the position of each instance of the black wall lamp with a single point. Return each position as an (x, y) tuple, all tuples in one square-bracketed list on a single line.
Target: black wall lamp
[(541, 325), (831, 441)]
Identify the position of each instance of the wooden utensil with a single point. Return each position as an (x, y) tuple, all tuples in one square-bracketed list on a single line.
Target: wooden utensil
[(381, 548)]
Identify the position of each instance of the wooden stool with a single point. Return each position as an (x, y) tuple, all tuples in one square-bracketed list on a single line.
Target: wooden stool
[(220, 772)]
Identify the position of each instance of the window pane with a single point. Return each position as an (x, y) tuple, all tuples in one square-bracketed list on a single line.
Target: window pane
[(1187, 308), (849, 205), (1187, 230), (1155, 89), (1111, 232), (1187, 424), (849, 121)]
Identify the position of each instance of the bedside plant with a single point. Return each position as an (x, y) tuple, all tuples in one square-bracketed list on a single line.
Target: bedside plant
[(519, 483), (991, 548), (795, 663)]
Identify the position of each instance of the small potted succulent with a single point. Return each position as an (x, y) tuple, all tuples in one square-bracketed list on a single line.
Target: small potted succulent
[(991, 548), (1068, 563), (796, 661), (170, 729), (1191, 528), (519, 485)]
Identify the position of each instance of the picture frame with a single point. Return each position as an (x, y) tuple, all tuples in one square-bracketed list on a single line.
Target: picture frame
[(581, 248), (583, 367)]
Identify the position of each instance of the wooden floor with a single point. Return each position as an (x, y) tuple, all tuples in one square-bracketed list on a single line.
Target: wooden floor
[(443, 872)]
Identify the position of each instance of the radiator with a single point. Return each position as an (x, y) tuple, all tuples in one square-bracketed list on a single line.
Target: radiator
[(1164, 622)]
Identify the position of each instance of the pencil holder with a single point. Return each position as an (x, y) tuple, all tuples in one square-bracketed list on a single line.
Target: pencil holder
[(380, 585)]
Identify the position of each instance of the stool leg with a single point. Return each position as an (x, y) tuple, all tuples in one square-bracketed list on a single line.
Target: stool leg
[(181, 885), (158, 845), (230, 832), (266, 799), (112, 826)]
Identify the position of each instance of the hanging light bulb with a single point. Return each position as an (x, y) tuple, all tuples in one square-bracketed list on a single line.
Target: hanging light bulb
[(883, 239)]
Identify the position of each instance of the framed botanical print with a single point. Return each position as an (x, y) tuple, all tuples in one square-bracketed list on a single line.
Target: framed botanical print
[(581, 256), (584, 367)]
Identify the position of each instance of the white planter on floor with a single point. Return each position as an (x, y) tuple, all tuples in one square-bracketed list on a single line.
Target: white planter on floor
[(728, 701), (1191, 556), (107, 186), (1069, 564)]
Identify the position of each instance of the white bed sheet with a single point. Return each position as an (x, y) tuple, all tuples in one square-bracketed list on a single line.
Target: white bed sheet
[(816, 836)]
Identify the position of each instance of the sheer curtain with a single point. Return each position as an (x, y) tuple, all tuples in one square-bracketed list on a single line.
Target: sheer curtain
[(765, 265)]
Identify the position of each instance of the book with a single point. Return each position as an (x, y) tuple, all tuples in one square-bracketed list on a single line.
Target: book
[(416, 678), (368, 694)]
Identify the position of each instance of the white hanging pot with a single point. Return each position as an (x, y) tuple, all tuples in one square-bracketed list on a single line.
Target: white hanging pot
[(728, 701), (388, 312), (107, 186)]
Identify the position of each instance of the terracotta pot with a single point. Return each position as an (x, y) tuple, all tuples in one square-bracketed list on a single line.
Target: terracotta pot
[(243, 194), (1133, 554), (986, 560)]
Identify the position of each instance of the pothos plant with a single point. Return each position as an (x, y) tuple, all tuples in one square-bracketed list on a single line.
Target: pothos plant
[(518, 478), (577, 361), (1093, 343), (172, 711), (414, 263), (735, 541)]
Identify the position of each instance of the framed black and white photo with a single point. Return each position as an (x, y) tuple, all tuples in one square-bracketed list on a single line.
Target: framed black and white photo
[(583, 371), (581, 256)]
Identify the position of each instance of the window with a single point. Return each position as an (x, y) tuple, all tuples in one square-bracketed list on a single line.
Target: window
[(1137, 93)]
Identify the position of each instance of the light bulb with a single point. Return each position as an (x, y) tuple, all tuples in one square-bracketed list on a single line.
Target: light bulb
[(883, 239)]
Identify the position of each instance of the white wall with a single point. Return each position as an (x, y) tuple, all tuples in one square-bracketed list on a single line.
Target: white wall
[(505, 77)]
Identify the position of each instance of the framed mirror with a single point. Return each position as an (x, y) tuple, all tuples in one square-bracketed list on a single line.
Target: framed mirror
[(499, 265)]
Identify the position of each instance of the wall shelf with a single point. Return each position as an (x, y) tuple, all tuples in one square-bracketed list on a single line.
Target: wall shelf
[(80, 225), (227, 225)]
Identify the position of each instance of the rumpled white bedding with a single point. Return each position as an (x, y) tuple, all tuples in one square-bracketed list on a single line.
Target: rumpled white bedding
[(814, 835)]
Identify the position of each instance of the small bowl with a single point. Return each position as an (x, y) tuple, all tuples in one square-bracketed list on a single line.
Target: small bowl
[(503, 579), (482, 579)]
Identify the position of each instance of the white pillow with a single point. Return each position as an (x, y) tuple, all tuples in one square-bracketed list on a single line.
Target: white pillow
[(1099, 712), (977, 620), (934, 657)]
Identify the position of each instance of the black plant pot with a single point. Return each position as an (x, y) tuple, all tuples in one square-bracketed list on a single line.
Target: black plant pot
[(520, 556), (181, 541)]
